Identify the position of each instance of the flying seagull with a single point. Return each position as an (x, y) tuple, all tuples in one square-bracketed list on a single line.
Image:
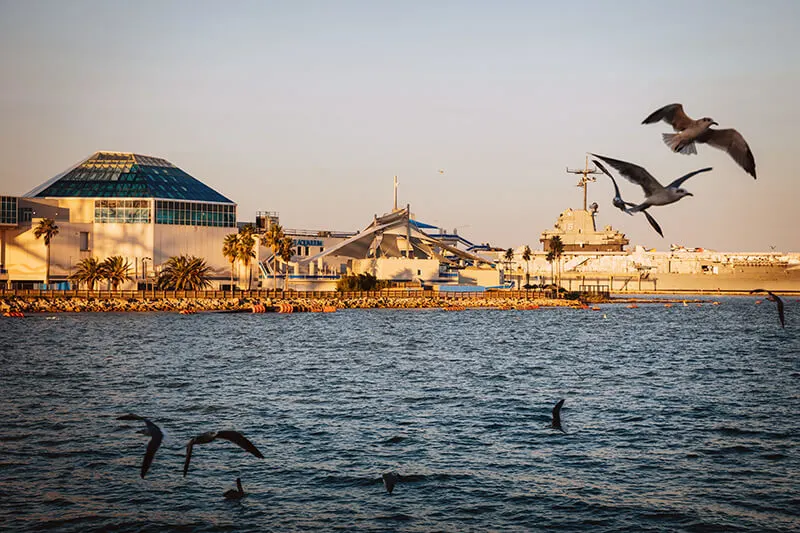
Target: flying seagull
[(654, 192), (237, 493), (556, 424), (233, 436), (156, 436), (390, 479), (621, 204), (777, 300), (691, 131)]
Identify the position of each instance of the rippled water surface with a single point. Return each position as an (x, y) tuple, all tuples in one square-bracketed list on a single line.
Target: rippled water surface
[(681, 418)]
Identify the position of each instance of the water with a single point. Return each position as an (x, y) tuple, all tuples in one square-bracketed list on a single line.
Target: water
[(682, 418)]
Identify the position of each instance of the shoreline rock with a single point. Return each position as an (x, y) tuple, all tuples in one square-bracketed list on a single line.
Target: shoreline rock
[(96, 305)]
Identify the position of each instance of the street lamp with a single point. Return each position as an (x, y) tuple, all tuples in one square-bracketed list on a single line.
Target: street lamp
[(144, 269)]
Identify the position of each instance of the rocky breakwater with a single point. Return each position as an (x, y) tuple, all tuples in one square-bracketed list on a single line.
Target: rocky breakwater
[(15, 304), (95, 305)]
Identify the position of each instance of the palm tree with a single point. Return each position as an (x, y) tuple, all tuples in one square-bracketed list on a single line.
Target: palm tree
[(551, 257), (230, 249), (526, 256), (116, 270), (184, 273), (88, 272), (557, 247), (246, 253), (272, 239), (285, 253), (46, 228), (508, 257)]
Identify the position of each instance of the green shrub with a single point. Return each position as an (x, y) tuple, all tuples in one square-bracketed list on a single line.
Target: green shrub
[(359, 282)]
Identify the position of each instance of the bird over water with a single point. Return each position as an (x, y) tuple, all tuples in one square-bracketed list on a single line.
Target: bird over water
[(690, 131), (232, 436), (777, 301), (655, 193), (621, 204), (156, 436)]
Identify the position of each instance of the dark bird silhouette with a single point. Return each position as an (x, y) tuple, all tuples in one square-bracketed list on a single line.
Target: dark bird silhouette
[(390, 479), (556, 424), (621, 204), (777, 301), (156, 436), (691, 131), (237, 493), (655, 193), (233, 436)]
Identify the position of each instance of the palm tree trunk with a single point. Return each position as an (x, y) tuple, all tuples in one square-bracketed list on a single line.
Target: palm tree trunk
[(233, 288), (47, 268)]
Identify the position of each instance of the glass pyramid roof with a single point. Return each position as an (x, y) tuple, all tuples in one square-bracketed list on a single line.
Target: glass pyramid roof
[(125, 175)]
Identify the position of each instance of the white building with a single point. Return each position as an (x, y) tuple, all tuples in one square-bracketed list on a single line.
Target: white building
[(140, 207)]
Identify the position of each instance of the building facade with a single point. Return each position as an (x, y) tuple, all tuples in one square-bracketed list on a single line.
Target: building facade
[(140, 207)]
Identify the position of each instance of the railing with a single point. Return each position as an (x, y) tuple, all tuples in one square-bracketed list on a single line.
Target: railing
[(277, 294), (595, 290)]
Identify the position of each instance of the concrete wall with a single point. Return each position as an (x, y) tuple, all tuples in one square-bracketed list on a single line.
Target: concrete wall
[(483, 276), (398, 268)]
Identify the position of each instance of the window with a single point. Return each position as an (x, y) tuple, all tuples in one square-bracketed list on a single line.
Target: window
[(8, 210), (195, 213), (122, 211), (84, 241)]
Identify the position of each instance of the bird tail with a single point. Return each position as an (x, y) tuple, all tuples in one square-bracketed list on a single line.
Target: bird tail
[(676, 145)]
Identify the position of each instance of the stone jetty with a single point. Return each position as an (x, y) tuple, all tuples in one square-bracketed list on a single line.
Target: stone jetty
[(187, 305)]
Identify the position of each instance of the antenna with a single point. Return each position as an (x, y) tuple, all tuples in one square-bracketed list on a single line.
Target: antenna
[(586, 177)]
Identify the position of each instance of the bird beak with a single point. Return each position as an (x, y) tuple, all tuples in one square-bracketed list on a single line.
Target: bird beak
[(689, 194), (715, 123)]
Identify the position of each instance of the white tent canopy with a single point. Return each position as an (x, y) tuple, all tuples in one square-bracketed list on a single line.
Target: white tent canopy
[(389, 236)]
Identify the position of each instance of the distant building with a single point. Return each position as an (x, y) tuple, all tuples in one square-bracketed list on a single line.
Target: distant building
[(140, 207), (395, 247)]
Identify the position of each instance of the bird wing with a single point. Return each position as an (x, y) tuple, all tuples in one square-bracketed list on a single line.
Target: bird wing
[(778, 301), (240, 440), (780, 309), (634, 174), (557, 412), (156, 437), (679, 181), (671, 114), (780, 305), (732, 142), (390, 479), (652, 222), (189, 447), (607, 173)]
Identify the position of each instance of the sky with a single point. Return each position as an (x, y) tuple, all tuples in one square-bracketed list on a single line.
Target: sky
[(309, 108)]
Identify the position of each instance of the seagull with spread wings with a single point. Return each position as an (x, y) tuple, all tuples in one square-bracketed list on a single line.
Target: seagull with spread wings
[(690, 131), (654, 192), (621, 204), (233, 436), (156, 436)]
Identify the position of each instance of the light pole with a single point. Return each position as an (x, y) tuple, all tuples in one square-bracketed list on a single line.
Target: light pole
[(144, 270)]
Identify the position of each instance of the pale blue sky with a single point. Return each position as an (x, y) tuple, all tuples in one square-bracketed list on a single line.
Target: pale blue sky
[(309, 108)]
